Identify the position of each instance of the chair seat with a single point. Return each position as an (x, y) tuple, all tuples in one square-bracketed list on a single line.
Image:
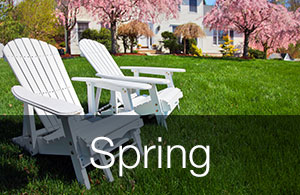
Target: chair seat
[(87, 130), (109, 125), (169, 98)]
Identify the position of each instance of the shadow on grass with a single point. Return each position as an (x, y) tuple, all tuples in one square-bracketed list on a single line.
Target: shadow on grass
[(256, 153), (18, 168), (11, 178)]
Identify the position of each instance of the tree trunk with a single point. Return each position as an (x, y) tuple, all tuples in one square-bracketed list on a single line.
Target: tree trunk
[(184, 46), (125, 46), (266, 48), (246, 44), (131, 48), (68, 41), (131, 44), (113, 32)]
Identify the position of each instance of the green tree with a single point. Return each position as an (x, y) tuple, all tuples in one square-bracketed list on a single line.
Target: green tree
[(170, 42), (39, 18), (133, 31), (10, 28), (227, 49), (103, 36)]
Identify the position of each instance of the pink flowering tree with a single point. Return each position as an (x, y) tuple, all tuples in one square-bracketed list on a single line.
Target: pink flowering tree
[(242, 16), (67, 11), (279, 31), (112, 12)]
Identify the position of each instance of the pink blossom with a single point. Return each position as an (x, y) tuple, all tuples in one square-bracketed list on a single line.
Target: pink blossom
[(112, 12), (281, 29), (125, 10), (259, 20)]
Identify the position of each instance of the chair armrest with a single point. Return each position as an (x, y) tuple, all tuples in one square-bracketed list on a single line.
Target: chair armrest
[(51, 105), (152, 70), (114, 85), (136, 79)]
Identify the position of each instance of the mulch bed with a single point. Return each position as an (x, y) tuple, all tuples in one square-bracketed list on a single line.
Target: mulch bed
[(130, 54), (68, 56), (181, 54)]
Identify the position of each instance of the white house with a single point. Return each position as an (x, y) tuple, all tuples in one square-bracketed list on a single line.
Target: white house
[(84, 21), (189, 11)]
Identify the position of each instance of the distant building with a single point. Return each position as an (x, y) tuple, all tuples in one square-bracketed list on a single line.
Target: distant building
[(189, 11)]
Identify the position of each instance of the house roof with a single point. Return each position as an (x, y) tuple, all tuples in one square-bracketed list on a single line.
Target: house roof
[(209, 2)]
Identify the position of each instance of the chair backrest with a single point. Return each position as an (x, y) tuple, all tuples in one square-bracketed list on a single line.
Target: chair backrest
[(39, 68), (1, 50), (99, 57)]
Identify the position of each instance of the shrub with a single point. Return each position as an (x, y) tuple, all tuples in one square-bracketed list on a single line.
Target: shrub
[(196, 51), (103, 36), (189, 45), (62, 44), (255, 53), (90, 34), (293, 50), (39, 19), (134, 30), (11, 29), (227, 49), (170, 42)]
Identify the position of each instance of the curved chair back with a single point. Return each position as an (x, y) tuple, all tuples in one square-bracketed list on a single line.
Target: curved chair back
[(39, 68)]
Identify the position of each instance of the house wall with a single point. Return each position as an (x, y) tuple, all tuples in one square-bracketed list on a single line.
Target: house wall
[(185, 16), (93, 23)]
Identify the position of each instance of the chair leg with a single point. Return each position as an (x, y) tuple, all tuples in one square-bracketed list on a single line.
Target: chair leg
[(80, 172), (164, 123), (161, 120), (137, 138), (107, 172)]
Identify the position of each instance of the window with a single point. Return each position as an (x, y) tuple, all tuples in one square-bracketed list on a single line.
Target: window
[(219, 34), (193, 6), (157, 30), (174, 28), (82, 26)]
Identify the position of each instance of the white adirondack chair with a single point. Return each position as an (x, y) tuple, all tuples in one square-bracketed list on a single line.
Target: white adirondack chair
[(47, 90), (161, 103), (1, 50)]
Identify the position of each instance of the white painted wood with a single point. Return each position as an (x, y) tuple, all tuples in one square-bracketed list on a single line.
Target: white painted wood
[(136, 79), (115, 85), (54, 106), (98, 96), (47, 90), (91, 98), (99, 57), (1, 50), (159, 103), (152, 70), (136, 74), (169, 76), (26, 71), (113, 102)]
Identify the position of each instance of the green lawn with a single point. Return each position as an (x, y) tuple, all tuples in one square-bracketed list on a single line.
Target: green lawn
[(249, 154)]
